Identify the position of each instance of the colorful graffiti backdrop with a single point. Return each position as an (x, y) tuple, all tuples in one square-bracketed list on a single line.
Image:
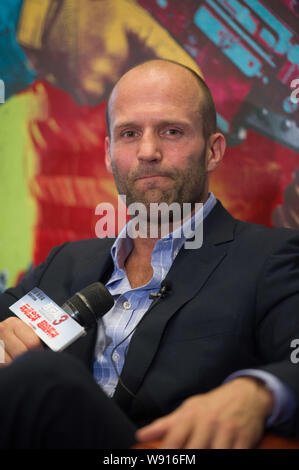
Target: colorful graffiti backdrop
[(58, 62)]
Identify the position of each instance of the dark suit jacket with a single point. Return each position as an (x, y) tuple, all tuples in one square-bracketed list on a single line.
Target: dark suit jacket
[(234, 304)]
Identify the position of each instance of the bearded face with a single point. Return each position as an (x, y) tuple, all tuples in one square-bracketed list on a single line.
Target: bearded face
[(152, 183), (156, 150)]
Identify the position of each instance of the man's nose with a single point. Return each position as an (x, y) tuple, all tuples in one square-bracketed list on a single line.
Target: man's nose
[(149, 147)]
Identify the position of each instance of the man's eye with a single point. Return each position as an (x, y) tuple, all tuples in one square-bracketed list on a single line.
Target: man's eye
[(173, 132), (129, 134)]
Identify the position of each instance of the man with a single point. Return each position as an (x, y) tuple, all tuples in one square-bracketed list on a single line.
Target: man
[(229, 317)]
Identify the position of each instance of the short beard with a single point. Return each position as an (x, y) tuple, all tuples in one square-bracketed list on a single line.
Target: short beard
[(190, 184)]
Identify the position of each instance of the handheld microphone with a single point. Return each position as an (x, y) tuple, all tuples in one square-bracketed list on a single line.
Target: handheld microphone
[(89, 304), (58, 327)]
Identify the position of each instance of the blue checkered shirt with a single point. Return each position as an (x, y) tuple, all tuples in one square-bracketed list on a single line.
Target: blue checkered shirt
[(131, 304)]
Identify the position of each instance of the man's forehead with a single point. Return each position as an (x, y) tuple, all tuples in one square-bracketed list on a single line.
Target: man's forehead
[(157, 73), (154, 85)]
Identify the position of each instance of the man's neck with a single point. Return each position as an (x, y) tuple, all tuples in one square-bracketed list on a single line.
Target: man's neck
[(138, 264), (144, 246)]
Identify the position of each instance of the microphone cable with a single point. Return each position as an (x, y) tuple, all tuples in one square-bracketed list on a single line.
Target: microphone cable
[(164, 290)]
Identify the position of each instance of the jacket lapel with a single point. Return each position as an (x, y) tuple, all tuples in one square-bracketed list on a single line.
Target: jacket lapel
[(187, 276)]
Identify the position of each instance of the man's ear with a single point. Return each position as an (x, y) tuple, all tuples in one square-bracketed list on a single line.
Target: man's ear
[(216, 146), (108, 155)]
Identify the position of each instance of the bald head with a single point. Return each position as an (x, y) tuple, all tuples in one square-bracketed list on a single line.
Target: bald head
[(161, 74)]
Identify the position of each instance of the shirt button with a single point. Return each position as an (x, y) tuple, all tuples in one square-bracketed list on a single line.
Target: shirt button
[(126, 305), (115, 356)]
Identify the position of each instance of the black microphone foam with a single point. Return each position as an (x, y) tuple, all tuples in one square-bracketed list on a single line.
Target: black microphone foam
[(89, 304)]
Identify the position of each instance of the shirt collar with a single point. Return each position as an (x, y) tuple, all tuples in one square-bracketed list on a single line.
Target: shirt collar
[(123, 244)]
